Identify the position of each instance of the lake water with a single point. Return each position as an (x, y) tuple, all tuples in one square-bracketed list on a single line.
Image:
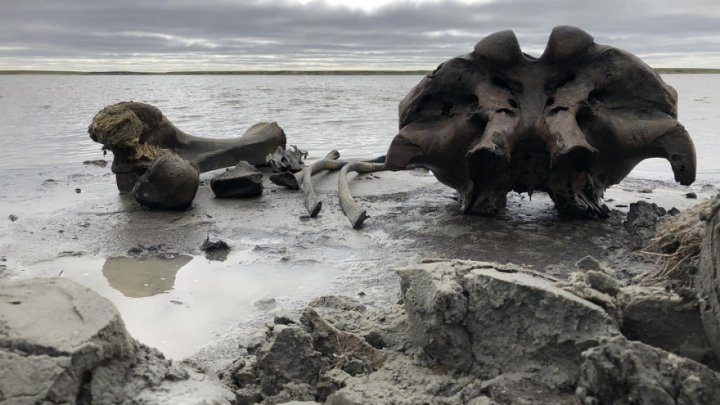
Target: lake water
[(43, 119)]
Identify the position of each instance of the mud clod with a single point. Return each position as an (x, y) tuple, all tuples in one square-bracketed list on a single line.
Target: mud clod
[(620, 371), (217, 250), (641, 220)]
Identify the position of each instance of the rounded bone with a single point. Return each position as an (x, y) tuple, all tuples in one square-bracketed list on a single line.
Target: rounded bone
[(171, 182)]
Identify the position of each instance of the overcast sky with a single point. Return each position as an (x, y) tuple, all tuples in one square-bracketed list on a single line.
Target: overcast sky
[(334, 34)]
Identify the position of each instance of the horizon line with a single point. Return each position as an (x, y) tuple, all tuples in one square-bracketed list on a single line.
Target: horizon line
[(284, 72)]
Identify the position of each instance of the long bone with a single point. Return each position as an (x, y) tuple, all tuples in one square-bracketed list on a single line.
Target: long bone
[(135, 133)]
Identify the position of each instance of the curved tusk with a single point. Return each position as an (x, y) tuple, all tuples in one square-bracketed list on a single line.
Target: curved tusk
[(356, 215), (312, 203)]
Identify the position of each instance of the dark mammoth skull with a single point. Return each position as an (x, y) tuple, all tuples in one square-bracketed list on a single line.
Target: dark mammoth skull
[(571, 123)]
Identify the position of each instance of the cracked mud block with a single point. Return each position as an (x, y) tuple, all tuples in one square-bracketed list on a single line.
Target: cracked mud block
[(61, 343), (488, 319), (620, 371)]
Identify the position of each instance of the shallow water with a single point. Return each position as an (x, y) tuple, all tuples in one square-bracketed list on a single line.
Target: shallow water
[(180, 303), (44, 118)]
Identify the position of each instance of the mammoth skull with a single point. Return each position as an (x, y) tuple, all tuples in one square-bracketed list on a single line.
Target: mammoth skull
[(570, 123)]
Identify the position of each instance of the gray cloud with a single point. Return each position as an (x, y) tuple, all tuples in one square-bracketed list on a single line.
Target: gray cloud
[(223, 34)]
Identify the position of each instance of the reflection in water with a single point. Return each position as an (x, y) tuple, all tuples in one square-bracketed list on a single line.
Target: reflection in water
[(216, 296), (144, 277)]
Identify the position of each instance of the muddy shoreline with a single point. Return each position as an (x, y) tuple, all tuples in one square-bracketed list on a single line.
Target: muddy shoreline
[(69, 223)]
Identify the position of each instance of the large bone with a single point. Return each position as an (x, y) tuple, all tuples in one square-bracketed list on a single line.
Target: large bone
[(571, 123), (136, 132)]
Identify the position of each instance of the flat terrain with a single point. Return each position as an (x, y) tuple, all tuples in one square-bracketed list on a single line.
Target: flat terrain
[(74, 224)]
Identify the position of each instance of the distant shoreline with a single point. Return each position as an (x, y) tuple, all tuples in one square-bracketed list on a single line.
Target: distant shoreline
[(226, 72), (295, 72)]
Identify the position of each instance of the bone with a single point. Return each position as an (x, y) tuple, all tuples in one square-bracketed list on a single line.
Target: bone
[(136, 132), (571, 123), (659, 137), (171, 182), (489, 162), (353, 212), (293, 181), (312, 203)]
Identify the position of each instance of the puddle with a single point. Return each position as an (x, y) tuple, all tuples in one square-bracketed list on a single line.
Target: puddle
[(181, 303), (137, 278)]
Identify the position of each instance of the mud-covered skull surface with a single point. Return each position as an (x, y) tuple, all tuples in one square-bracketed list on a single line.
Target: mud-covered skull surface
[(571, 123)]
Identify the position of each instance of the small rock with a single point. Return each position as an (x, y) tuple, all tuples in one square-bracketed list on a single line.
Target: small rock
[(338, 302), (355, 367), (78, 191), (588, 263), (602, 282), (375, 339), (483, 400), (286, 318), (13, 217), (673, 211), (97, 162), (265, 303), (217, 250), (247, 396), (641, 221), (288, 357), (243, 180), (691, 195)]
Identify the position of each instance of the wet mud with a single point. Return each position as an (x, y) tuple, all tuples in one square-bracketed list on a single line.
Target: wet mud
[(152, 266)]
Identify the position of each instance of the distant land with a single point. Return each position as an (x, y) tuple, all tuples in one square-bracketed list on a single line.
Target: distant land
[(294, 72), (223, 72)]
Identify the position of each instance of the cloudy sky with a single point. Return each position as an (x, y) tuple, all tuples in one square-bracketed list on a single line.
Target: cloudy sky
[(164, 35)]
